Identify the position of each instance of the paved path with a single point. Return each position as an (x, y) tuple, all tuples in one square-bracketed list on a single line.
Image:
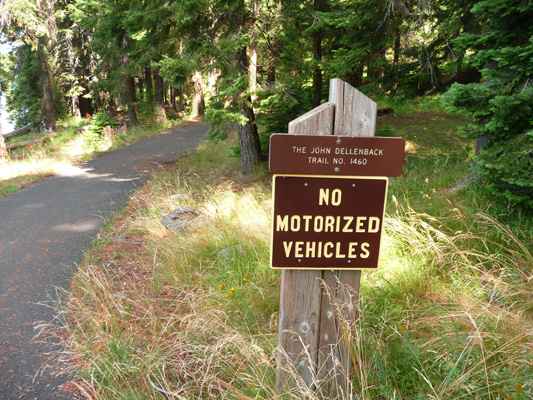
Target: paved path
[(44, 230)]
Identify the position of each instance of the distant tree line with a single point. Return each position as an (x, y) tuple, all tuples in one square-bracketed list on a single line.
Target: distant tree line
[(248, 61)]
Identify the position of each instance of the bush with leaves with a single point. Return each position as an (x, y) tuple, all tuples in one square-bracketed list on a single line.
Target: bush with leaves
[(93, 139)]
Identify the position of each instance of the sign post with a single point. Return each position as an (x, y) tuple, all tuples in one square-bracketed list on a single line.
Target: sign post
[(329, 202)]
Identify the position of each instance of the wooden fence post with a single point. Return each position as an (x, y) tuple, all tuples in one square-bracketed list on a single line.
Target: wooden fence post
[(317, 308)]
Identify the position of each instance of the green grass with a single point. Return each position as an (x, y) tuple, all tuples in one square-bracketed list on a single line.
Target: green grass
[(448, 314)]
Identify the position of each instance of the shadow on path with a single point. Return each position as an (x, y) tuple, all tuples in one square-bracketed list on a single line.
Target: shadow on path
[(44, 230)]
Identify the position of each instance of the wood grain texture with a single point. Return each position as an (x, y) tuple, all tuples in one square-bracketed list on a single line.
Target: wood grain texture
[(298, 326), (355, 114), (318, 309), (337, 323), (300, 299), (318, 121)]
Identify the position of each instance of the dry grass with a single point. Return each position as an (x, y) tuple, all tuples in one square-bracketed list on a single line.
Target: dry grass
[(156, 314)]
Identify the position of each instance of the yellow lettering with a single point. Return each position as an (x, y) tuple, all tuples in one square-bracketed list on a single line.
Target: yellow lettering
[(287, 246), (336, 197), (338, 253), (298, 249), (282, 223), (323, 197), (319, 223), (306, 219), (359, 228), (373, 224), (346, 228), (328, 253), (329, 224), (310, 249), (364, 248), (295, 223), (352, 248)]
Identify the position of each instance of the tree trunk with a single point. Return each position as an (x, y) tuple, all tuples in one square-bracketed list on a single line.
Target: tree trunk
[(253, 52), (173, 94), (140, 86), (397, 43), (271, 75), (181, 101), (4, 156), (131, 99), (249, 139), (317, 55), (97, 100), (75, 104), (159, 96), (85, 103), (46, 81), (249, 144), (148, 86), (84, 100), (317, 72), (18, 132), (356, 77), (34, 141), (129, 83), (198, 102), (74, 100)]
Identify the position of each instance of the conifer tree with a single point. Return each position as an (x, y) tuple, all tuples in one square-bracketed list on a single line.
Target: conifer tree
[(502, 105), (36, 23)]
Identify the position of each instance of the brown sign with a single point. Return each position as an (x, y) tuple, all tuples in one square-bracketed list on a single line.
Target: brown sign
[(324, 222), (336, 155)]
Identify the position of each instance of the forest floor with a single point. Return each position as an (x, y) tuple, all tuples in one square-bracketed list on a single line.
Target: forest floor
[(448, 314)]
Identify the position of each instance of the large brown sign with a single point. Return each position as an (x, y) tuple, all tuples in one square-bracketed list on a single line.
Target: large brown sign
[(324, 222), (336, 155)]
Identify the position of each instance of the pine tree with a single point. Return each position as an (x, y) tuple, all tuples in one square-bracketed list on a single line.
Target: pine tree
[(502, 105), (37, 24)]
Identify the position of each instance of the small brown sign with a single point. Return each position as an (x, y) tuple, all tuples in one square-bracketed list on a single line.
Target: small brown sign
[(324, 222), (336, 155)]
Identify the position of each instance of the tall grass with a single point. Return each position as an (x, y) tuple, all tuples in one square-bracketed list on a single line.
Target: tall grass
[(448, 315)]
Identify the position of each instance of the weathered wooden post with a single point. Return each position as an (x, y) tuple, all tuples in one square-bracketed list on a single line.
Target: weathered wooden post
[(318, 305)]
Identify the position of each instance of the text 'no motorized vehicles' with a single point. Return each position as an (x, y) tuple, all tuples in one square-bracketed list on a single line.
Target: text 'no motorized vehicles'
[(327, 222)]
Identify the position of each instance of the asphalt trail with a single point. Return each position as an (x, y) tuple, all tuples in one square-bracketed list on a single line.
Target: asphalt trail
[(44, 230)]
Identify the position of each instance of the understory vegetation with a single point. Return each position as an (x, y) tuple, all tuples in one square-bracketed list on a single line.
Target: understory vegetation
[(448, 315)]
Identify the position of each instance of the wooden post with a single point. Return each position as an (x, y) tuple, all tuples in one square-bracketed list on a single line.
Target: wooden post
[(318, 309)]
